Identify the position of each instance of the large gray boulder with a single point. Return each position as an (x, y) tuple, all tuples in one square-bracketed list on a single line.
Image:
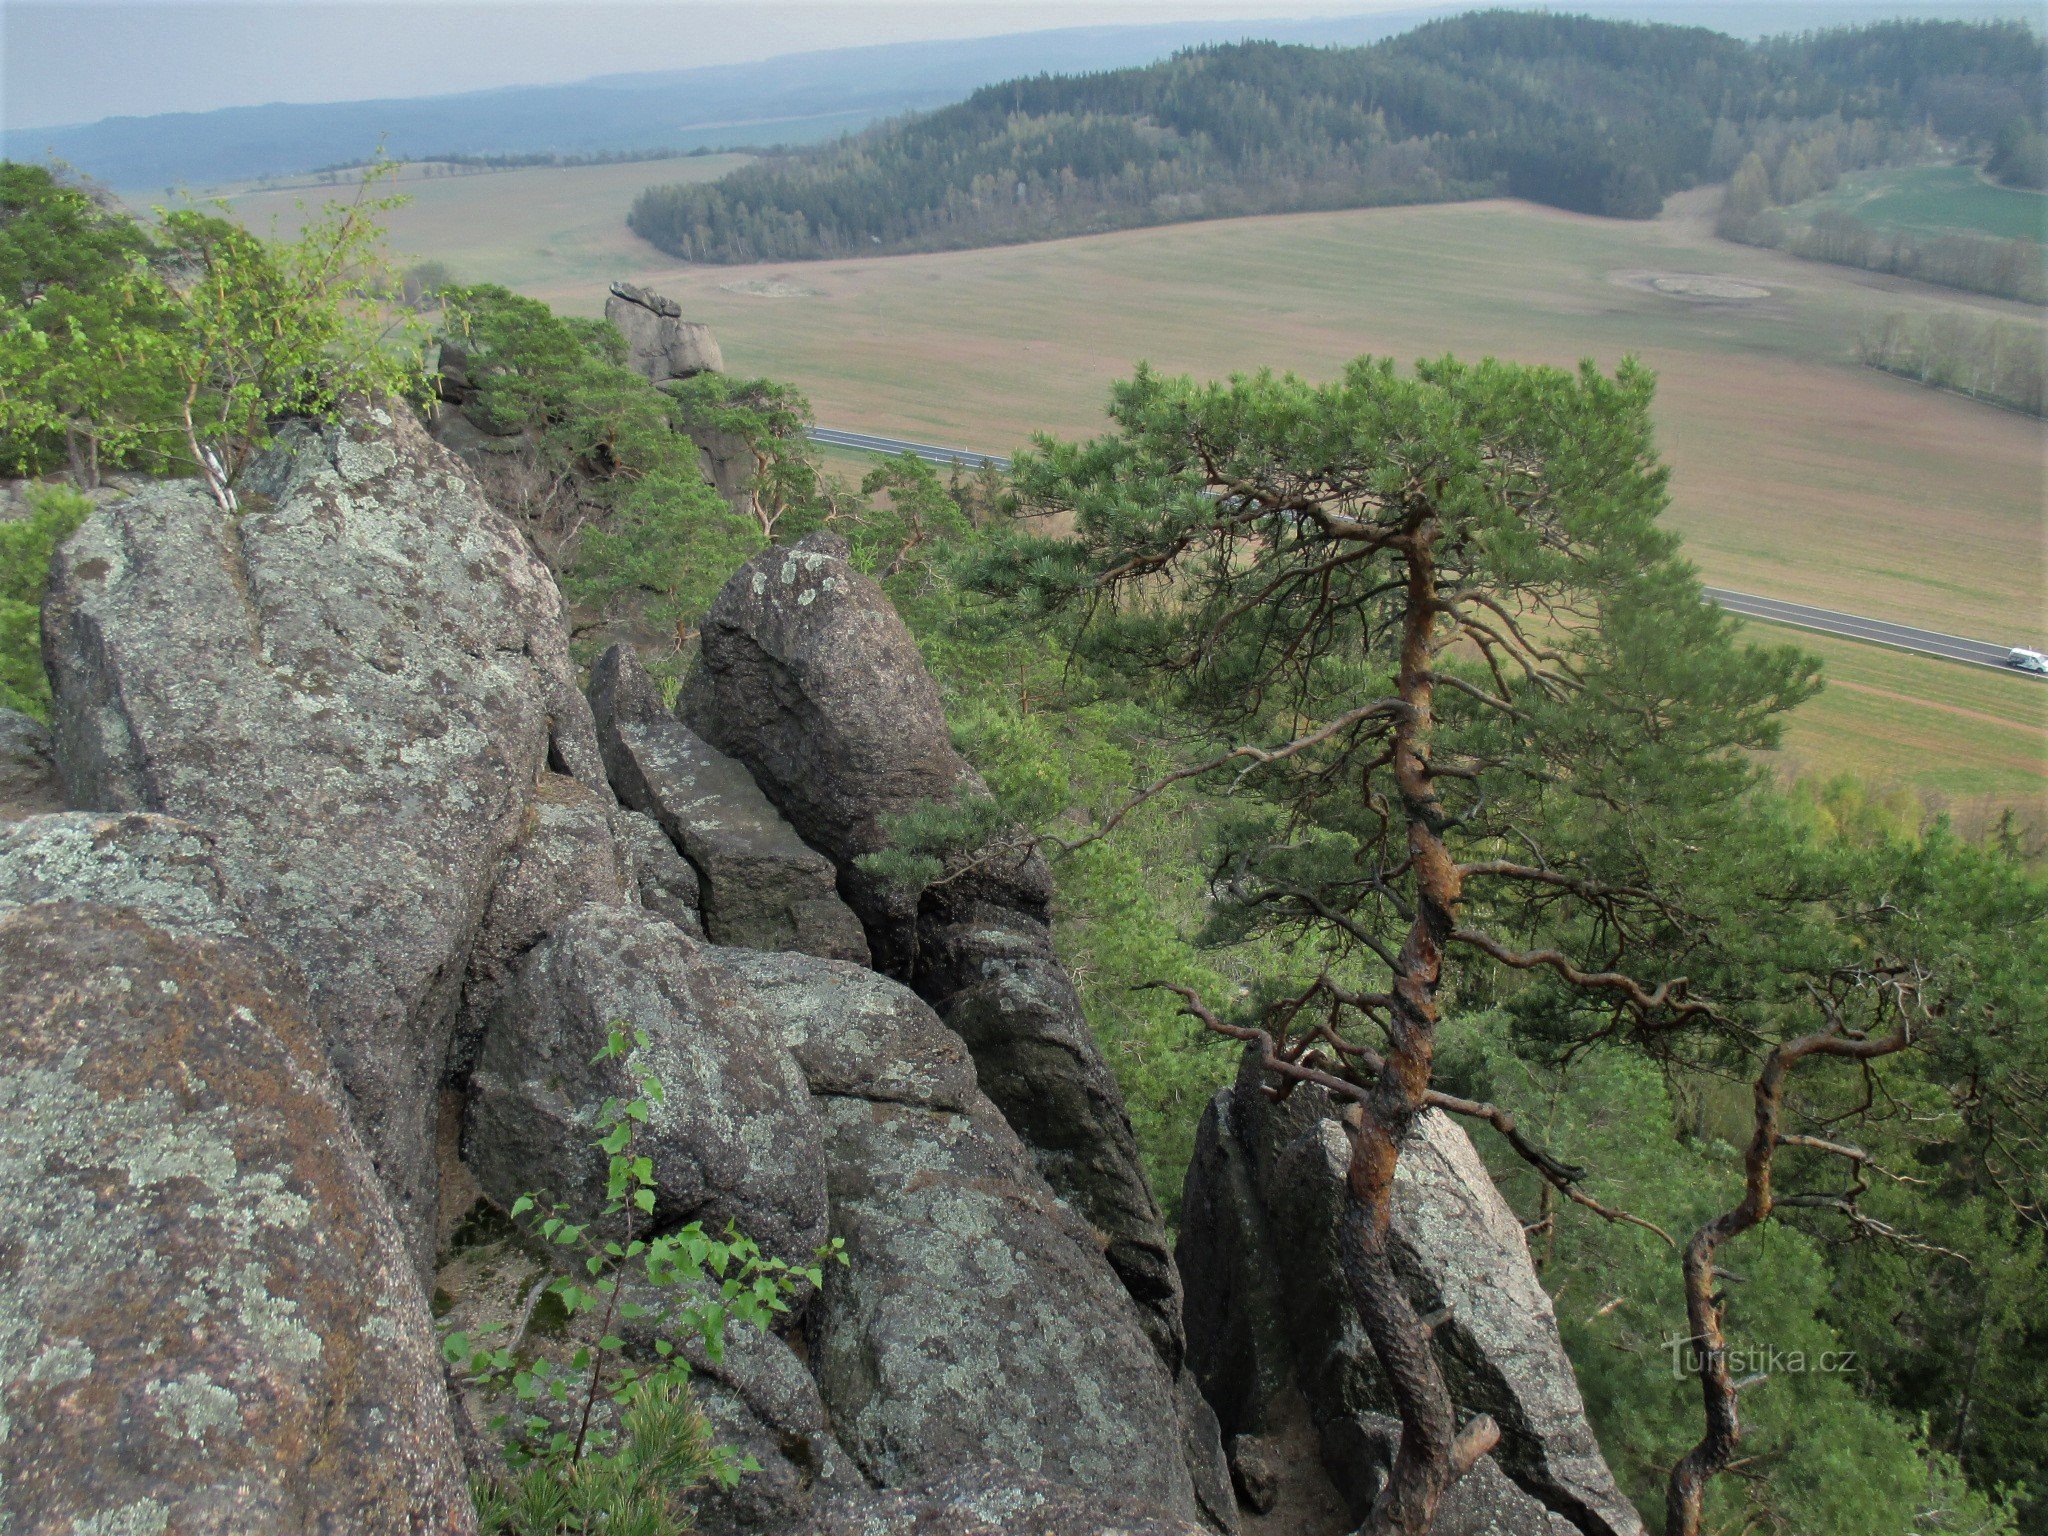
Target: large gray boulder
[(660, 343), (211, 1323), (976, 1321), (733, 1137), (807, 675), (1268, 1309), (760, 887), (353, 687), (809, 678), (994, 1501), (28, 768)]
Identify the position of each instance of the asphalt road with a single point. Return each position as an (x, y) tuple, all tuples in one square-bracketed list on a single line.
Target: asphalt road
[(1826, 621)]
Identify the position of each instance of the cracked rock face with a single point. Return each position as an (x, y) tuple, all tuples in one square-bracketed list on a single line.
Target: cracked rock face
[(1268, 1179), (759, 885), (352, 687), (733, 1138), (568, 855), (208, 1322), (976, 1319), (809, 678)]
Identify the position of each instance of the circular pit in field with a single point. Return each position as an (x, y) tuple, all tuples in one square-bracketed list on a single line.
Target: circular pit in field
[(1700, 287)]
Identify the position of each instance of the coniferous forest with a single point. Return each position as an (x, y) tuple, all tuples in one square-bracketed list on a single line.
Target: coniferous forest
[(1594, 116)]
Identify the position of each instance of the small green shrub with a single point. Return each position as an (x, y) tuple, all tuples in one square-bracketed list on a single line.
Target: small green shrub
[(687, 1287)]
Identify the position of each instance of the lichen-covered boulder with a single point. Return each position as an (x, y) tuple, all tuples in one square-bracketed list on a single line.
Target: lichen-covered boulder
[(660, 343), (856, 1034), (994, 1501), (353, 687), (28, 768), (733, 1137), (156, 866), (809, 678), (976, 1320), (760, 886), (807, 675), (1014, 1005), (211, 1325), (1268, 1307)]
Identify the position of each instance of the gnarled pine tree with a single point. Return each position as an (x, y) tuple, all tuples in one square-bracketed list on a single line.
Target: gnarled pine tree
[(1429, 629)]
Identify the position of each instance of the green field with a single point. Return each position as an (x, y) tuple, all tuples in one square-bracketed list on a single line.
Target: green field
[(1935, 199), (1796, 473), (1966, 740)]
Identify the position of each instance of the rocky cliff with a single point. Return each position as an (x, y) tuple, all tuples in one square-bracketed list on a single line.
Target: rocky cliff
[(315, 907)]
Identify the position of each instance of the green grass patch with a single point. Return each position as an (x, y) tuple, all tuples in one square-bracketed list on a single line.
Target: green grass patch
[(1970, 741), (1935, 199)]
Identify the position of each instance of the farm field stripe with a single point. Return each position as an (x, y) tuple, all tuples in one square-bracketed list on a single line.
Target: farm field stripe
[(1827, 621)]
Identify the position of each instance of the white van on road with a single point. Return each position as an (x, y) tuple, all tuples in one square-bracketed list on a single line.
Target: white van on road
[(2026, 660)]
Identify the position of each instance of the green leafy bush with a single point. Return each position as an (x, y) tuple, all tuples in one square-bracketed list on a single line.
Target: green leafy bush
[(177, 348), (572, 1472), (26, 545)]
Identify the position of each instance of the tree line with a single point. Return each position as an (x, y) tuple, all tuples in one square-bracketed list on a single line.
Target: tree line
[(471, 165), (1594, 116), (1791, 162), (2002, 362)]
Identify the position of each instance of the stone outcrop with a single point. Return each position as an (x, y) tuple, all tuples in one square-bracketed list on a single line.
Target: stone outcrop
[(760, 886), (986, 1501), (353, 687), (733, 1137), (809, 678), (1267, 1179), (975, 1319), (660, 343), (351, 906), (212, 1325), (28, 768)]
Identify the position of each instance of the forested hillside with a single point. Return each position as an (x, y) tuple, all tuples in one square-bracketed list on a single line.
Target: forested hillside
[(1595, 116)]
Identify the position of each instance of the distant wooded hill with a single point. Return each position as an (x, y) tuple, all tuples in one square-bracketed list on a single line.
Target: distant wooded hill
[(1597, 116), (793, 99)]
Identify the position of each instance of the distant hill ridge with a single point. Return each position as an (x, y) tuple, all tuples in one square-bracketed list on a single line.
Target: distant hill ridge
[(799, 98), (1593, 115)]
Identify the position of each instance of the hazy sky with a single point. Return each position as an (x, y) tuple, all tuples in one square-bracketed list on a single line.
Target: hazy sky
[(74, 61)]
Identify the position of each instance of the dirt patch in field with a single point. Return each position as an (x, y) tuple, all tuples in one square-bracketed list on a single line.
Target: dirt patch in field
[(1701, 287), (776, 287)]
